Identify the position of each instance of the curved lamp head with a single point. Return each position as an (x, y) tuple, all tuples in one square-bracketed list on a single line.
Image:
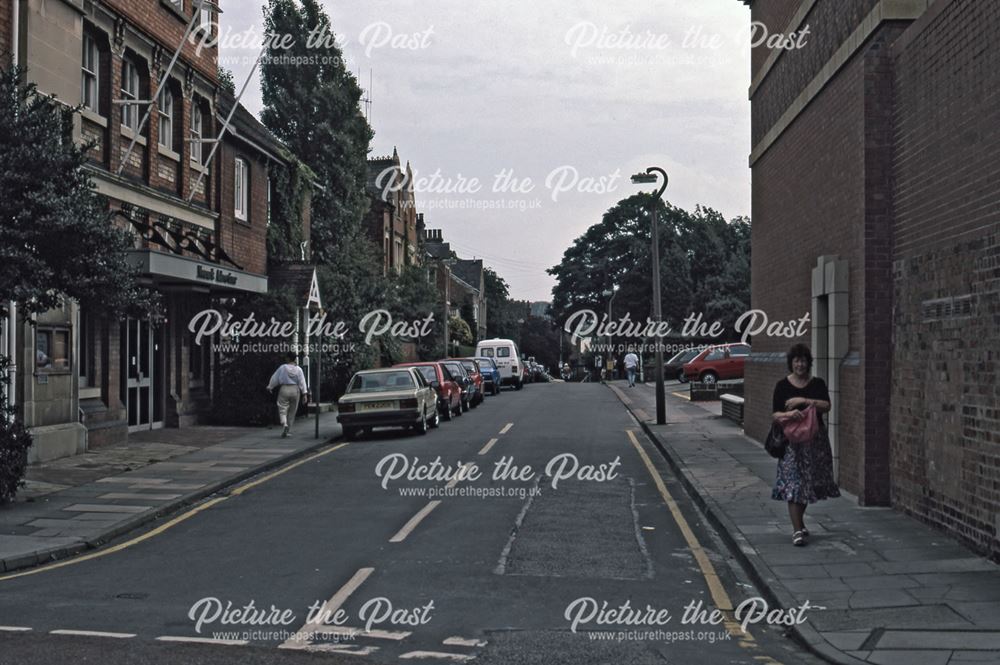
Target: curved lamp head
[(649, 177)]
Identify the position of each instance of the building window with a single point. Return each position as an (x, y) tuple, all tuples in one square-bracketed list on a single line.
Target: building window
[(130, 91), (196, 133), (52, 349), (242, 188), (165, 109), (205, 19), (89, 72)]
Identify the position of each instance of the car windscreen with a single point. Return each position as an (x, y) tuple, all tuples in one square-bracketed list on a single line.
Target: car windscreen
[(456, 369), (470, 366), (428, 373), (381, 382)]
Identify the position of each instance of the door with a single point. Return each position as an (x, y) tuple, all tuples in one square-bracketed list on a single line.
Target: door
[(143, 393)]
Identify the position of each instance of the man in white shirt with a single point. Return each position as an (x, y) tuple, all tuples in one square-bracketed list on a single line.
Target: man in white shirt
[(631, 363), (291, 384)]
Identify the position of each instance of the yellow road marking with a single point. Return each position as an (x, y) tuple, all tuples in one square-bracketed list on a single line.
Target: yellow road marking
[(243, 488), (169, 524), (487, 447), (506, 428), (414, 521), (719, 595)]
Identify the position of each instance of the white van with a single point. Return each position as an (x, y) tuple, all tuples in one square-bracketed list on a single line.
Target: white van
[(504, 352)]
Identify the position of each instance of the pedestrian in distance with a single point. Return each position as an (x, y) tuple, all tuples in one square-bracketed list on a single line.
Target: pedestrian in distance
[(291, 384), (631, 365), (805, 470)]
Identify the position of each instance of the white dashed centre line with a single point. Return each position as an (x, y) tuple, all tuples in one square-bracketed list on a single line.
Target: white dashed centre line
[(414, 521), (506, 428), (486, 448), (201, 640), (92, 633), (327, 611)]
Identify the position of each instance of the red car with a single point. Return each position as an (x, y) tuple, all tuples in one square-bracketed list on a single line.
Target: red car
[(718, 363), (472, 367), (448, 391)]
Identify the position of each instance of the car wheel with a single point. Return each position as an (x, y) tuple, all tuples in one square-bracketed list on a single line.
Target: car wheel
[(518, 385), (681, 377), (421, 427), (437, 418), (496, 388), (447, 412), (458, 409), (350, 433), (709, 378), (474, 402)]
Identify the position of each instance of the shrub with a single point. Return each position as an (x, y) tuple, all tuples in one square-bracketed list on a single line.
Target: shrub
[(14, 444)]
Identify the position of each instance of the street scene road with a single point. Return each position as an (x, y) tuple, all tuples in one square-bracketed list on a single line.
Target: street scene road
[(503, 571)]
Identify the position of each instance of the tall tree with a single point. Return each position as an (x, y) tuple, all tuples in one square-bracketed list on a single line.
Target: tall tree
[(704, 264), (313, 106), (57, 238)]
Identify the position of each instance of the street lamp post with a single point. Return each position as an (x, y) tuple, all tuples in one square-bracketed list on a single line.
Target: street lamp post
[(610, 294), (644, 178)]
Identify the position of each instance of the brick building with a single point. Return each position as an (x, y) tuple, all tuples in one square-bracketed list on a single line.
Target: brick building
[(392, 221), (876, 208), (199, 212)]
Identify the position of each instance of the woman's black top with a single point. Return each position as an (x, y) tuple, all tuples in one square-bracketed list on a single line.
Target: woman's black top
[(784, 391)]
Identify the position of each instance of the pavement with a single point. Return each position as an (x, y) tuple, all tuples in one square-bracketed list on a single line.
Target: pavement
[(893, 589), (82, 502)]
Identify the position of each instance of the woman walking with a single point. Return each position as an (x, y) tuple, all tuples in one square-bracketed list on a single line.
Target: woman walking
[(291, 384), (805, 471)]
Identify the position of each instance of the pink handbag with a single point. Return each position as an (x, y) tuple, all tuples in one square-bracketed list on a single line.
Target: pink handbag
[(801, 431)]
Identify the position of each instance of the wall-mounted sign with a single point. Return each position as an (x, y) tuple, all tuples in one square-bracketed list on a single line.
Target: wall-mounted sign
[(177, 237)]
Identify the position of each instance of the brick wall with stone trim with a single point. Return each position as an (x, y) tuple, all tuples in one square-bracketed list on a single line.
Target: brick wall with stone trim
[(945, 425)]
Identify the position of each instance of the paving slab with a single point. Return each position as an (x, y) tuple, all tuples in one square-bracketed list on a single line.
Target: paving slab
[(877, 571)]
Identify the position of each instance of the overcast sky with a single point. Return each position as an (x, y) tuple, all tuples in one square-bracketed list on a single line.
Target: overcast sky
[(571, 94)]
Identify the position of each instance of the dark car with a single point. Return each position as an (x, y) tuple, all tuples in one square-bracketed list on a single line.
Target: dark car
[(448, 391), (463, 379), (472, 367), (674, 368), (491, 374), (718, 363)]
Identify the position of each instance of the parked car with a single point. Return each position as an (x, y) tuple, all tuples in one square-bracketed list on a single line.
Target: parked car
[(463, 379), (491, 374), (394, 397), (718, 363), (448, 391), (504, 352), (472, 367), (674, 368)]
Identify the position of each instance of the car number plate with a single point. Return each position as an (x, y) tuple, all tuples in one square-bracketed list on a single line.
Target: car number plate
[(376, 406)]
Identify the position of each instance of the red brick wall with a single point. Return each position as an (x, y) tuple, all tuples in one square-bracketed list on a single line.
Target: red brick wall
[(245, 242), (156, 20), (830, 23), (945, 435), (775, 15), (796, 219)]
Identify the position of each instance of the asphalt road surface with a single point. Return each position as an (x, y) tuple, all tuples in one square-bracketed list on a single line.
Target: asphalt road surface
[(345, 558)]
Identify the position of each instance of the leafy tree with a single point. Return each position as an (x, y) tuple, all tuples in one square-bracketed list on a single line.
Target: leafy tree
[(459, 331), (412, 298), (56, 233), (501, 313), (226, 81), (540, 338), (704, 265), (313, 106), (57, 238)]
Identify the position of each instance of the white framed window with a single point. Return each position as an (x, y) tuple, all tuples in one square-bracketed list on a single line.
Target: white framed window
[(269, 201), (165, 110), (130, 91), (196, 133), (90, 67), (205, 19), (242, 188)]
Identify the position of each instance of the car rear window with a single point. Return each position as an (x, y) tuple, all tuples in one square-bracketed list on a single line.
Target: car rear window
[(469, 365), (486, 351), (381, 382), (428, 373), (503, 352)]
